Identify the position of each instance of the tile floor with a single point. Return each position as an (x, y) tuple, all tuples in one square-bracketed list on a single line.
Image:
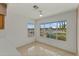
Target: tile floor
[(39, 49)]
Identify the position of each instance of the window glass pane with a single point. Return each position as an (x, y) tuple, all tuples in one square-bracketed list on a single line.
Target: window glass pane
[(54, 25), (53, 35), (60, 25), (42, 26), (48, 25), (30, 26), (65, 24), (61, 36)]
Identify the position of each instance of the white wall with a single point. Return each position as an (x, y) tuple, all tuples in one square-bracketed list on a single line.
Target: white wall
[(16, 27), (14, 34), (78, 31), (6, 47), (70, 44)]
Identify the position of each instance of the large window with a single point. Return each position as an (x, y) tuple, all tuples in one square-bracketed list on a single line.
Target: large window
[(30, 27), (1, 21), (54, 30)]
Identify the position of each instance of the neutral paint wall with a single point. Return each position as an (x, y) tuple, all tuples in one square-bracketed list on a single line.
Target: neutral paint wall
[(6, 47), (16, 28), (70, 44), (14, 34), (78, 30)]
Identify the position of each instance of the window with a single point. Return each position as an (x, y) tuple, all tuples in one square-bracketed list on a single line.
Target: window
[(1, 21), (30, 27), (54, 25), (54, 30), (42, 28)]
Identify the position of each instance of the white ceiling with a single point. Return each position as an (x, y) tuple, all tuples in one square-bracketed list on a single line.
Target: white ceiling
[(26, 9)]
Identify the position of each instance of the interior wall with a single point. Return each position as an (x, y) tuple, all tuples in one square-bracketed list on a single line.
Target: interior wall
[(70, 43), (6, 47), (78, 30), (15, 33), (16, 28)]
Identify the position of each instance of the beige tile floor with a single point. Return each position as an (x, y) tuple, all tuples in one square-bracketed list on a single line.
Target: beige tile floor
[(39, 49)]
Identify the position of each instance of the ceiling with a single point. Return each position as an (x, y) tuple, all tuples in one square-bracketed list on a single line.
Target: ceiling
[(26, 9)]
